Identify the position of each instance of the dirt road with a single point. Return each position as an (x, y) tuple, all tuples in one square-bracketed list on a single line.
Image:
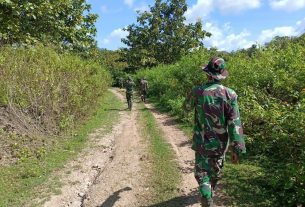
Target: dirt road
[(110, 173), (107, 173)]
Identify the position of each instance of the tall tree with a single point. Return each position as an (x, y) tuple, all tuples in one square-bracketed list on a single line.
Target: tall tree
[(67, 23), (161, 35)]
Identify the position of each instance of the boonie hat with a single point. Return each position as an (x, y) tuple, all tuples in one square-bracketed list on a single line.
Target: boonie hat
[(216, 68)]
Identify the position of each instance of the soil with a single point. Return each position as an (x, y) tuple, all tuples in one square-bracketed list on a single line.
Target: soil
[(110, 171)]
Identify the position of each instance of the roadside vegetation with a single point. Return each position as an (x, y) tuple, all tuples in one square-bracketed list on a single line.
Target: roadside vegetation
[(28, 178), (270, 83), (53, 91)]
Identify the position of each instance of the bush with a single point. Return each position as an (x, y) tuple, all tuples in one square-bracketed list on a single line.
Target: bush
[(55, 89)]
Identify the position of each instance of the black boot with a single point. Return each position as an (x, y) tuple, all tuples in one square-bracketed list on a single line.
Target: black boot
[(206, 202)]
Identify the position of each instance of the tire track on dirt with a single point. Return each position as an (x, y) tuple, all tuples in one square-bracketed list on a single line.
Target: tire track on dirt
[(107, 172), (119, 185)]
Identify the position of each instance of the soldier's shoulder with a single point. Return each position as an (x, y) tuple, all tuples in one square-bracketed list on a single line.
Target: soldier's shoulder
[(230, 93)]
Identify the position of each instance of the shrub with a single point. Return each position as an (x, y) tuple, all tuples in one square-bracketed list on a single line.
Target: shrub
[(55, 89)]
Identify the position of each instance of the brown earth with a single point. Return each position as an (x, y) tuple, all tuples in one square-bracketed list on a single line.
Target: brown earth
[(111, 170)]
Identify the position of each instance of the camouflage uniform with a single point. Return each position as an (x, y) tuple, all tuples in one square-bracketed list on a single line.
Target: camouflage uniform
[(216, 120), (129, 88), (144, 88)]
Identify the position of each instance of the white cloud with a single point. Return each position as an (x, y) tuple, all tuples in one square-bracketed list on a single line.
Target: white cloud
[(229, 6), (268, 34), (225, 39), (105, 41), (296, 30), (287, 5), (203, 8), (115, 37), (199, 10), (300, 28), (142, 8), (137, 5), (129, 2), (118, 33)]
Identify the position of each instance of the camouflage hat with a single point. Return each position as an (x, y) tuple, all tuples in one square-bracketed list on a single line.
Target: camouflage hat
[(216, 69)]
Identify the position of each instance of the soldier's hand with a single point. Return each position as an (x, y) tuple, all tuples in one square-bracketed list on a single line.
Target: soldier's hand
[(235, 158)]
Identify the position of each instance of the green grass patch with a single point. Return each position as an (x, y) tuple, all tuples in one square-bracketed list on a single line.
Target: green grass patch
[(165, 176), (244, 184), (28, 179)]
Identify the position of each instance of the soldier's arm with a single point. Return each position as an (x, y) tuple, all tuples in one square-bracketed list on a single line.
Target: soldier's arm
[(235, 127)]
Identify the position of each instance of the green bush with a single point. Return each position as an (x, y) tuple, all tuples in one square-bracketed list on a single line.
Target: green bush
[(271, 88), (55, 89)]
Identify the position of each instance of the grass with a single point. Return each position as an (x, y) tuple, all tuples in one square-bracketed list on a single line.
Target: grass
[(26, 180), (244, 184), (165, 176)]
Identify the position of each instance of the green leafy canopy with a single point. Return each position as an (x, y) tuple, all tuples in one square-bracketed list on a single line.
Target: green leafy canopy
[(161, 35), (67, 23)]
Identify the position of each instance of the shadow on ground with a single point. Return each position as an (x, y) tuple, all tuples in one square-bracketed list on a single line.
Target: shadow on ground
[(180, 201), (114, 198), (113, 109)]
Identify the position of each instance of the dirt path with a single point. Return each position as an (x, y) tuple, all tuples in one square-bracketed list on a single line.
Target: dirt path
[(107, 173), (181, 144)]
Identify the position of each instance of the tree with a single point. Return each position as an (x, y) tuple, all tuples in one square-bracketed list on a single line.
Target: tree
[(161, 35), (67, 23)]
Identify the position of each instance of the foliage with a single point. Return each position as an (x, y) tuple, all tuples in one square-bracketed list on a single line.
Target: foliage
[(161, 35), (270, 83), (55, 89), (112, 60), (67, 23), (30, 180)]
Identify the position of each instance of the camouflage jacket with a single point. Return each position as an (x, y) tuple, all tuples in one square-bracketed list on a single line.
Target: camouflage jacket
[(144, 85), (129, 86), (216, 120)]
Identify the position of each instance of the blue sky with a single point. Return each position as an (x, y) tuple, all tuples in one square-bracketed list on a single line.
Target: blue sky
[(234, 24)]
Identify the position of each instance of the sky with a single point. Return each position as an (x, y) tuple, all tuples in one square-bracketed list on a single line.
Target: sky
[(234, 24)]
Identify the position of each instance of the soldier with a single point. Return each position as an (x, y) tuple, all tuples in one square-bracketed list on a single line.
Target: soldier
[(216, 121), (144, 89), (129, 91)]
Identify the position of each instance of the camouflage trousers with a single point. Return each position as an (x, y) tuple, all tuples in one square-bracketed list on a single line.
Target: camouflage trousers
[(207, 173), (129, 95)]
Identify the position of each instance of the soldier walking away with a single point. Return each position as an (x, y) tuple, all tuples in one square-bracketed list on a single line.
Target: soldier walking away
[(129, 84), (144, 89), (217, 123)]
